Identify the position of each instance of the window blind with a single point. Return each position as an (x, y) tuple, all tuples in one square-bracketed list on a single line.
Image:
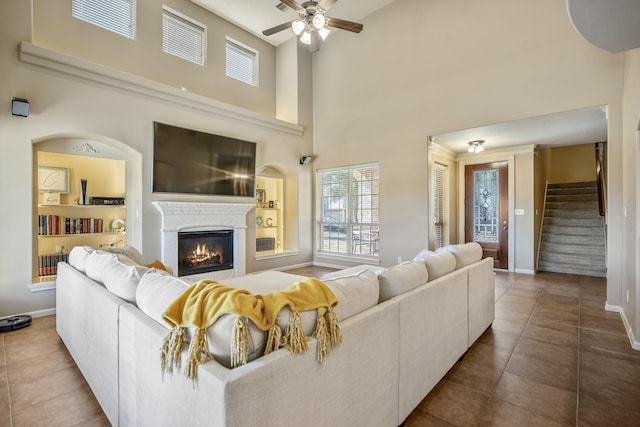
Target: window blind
[(241, 63), (183, 37), (113, 15), (439, 191)]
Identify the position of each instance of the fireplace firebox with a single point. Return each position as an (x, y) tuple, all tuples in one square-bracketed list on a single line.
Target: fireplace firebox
[(204, 251)]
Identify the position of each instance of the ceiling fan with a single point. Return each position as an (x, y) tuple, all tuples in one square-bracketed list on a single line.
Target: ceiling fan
[(311, 26)]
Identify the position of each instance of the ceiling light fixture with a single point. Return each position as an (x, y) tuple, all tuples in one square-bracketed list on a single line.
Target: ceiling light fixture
[(476, 146)]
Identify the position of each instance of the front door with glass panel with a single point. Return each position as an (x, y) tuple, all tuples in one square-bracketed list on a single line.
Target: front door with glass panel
[(486, 210)]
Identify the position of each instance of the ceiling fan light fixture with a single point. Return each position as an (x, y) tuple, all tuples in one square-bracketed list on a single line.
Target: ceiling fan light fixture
[(306, 37), (319, 21), (298, 26), (324, 32)]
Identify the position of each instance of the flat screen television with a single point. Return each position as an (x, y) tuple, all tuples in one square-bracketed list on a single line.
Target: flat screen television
[(192, 162)]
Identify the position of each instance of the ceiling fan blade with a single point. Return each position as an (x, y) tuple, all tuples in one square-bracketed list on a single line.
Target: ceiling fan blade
[(277, 28), (326, 4), (293, 5), (344, 25), (314, 46)]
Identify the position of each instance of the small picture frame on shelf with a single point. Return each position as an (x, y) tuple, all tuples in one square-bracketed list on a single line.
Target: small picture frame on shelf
[(53, 179), (51, 198), (261, 197)]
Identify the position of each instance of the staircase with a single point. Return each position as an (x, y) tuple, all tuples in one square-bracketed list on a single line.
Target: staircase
[(573, 234)]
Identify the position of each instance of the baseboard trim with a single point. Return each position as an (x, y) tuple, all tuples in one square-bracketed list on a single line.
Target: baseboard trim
[(524, 271), (42, 313), (614, 308), (635, 344)]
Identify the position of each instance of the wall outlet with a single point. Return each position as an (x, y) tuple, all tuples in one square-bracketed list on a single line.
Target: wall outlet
[(399, 259)]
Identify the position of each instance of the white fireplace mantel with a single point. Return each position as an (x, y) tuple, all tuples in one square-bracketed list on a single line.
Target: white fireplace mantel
[(193, 216)]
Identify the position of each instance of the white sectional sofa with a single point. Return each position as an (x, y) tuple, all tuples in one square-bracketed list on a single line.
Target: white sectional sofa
[(403, 328)]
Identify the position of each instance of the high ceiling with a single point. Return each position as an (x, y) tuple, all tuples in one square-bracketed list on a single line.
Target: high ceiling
[(256, 16), (566, 128)]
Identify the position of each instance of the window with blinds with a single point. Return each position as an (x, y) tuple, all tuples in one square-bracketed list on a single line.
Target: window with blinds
[(349, 222), (242, 62), (183, 37), (439, 192), (118, 16)]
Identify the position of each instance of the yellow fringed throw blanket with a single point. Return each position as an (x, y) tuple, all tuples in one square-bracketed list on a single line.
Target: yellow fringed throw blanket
[(205, 301)]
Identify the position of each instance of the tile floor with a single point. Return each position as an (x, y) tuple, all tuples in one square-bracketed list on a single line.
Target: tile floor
[(553, 357)]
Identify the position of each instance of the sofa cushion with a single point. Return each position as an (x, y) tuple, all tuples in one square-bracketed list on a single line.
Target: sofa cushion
[(438, 263), (464, 253), (121, 277), (352, 271), (158, 289), (78, 257), (401, 278), (131, 253), (355, 293), (95, 264)]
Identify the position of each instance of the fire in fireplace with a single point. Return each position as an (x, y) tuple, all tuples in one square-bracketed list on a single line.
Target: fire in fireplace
[(204, 251)]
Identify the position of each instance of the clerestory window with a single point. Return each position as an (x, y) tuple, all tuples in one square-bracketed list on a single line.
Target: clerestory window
[(118, 16)]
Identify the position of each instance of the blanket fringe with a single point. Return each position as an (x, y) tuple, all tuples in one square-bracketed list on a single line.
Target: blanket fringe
[(333, 325), (171, 350), (274, 339), (322, 336), (240, 342), (294, 338), (198, 353)]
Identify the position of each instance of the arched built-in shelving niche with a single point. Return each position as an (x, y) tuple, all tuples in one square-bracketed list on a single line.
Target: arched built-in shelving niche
[(276, 212), (109, 166)]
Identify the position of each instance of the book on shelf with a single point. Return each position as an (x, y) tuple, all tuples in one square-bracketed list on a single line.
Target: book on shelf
[(48, 264), (52, 225)]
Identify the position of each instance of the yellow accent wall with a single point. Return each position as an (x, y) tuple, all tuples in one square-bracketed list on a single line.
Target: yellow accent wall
[(573, 163)]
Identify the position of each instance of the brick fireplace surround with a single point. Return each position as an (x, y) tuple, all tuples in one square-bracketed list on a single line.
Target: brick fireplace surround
[(194, 216)]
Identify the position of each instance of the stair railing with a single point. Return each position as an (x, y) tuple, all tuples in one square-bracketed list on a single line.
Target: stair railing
[(602, 191), (600, 178), (544, 206)]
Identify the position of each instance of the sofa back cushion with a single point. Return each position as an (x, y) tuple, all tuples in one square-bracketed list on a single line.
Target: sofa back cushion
[(78, 257), (355, 292), (437, 263), (130, 252), (401, 278), (121, 277), (464, 253)]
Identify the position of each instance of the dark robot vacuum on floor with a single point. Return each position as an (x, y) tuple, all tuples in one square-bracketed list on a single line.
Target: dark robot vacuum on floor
[(14, 322)]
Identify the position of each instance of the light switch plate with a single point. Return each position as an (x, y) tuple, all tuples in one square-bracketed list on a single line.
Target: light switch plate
[(519, 212)]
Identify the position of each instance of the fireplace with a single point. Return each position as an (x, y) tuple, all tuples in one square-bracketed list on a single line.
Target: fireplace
[(204, 251), (190, 217)]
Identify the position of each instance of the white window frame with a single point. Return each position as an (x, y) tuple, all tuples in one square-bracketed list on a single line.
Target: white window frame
[(249, 53), (101, 14), (351, 247), (182, 47)]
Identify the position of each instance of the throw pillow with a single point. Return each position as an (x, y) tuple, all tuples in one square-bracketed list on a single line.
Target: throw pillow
[(131, 253)]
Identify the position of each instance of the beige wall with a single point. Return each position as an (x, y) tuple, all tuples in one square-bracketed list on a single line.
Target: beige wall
[(631, 199), (56, 29), (573, 163)]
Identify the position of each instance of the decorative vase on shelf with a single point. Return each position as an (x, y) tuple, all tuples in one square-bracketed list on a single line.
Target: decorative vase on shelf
[(84, 195)]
